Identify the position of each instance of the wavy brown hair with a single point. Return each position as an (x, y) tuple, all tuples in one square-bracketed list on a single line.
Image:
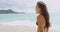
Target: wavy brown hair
[(44, 12)]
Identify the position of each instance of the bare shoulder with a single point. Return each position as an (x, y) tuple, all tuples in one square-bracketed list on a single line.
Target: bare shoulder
[(40, 16)]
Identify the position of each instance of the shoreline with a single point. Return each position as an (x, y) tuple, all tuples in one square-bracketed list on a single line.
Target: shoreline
[(24, 26)]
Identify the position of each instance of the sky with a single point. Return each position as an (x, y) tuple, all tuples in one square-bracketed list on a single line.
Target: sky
[(29, 5)]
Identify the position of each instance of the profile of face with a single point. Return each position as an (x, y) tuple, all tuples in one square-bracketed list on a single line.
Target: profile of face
[(38, 10)]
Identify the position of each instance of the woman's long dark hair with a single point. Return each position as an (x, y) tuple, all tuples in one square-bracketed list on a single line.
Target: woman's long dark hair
[(44, 12)]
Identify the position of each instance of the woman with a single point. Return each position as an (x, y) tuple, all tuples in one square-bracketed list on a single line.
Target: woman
[(43, 17)]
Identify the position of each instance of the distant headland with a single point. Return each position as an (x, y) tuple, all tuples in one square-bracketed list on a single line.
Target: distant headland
[(9, 11)]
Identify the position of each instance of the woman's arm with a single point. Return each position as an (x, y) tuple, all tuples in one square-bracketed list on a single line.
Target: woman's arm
[(46, 30)]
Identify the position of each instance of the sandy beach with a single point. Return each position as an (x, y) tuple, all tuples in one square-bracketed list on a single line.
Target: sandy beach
[(20, 29), (17, 26), (17, 29)]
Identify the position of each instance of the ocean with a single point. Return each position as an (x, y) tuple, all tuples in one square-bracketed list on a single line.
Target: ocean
[(28, 19), (31, 16), (10, 17)]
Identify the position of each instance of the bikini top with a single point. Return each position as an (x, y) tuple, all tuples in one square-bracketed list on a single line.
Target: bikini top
[(37, 24)]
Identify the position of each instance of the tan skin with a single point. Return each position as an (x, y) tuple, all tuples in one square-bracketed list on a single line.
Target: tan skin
[(41, 21)]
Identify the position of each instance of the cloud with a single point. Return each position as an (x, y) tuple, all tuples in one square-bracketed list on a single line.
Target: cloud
[(17, 4), (29, 5)]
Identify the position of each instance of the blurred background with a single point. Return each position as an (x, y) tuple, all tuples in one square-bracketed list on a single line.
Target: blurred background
[(22, 12)]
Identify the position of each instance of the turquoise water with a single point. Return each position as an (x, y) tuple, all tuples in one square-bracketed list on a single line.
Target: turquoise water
[(9, 17)]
